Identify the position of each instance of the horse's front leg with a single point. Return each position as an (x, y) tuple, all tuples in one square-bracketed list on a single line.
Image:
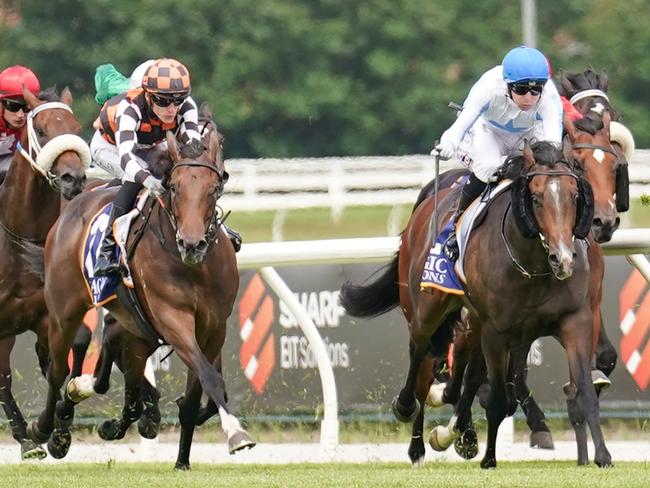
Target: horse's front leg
[(582, 401), (496, 360), (182, 337)]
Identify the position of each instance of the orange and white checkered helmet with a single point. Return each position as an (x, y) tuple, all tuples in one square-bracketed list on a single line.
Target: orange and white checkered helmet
[(167, 76)]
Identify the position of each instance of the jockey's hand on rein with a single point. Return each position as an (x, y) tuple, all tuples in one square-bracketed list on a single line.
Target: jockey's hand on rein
[(154, 185), (444, 149)]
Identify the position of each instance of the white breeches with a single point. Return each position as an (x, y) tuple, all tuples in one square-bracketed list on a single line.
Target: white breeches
[(489, 148), (106, 156)]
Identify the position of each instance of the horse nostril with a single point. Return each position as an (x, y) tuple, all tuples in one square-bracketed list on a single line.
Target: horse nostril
[(598, 222), (181, 242), (202, 246), (553, 259), (67, 178)]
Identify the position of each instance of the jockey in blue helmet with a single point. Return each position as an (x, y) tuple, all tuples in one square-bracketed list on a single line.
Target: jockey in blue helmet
[(511, 102)]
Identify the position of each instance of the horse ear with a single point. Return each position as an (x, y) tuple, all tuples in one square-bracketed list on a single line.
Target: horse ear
[(172, 147), (565, 83), (569, 127), (213, 145), (31, 99), (529, 157), (66, 96), (567, 149), (205, 112), (607, 119)]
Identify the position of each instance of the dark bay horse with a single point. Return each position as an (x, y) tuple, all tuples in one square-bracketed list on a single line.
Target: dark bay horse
[(560, 210), (186, 278), (47, 169)]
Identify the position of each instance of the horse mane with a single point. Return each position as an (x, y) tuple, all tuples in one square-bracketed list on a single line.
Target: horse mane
[(573, 82), (545, 153), (49, 95)]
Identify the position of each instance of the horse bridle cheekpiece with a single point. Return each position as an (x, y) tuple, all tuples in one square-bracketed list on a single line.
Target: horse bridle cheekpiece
[(41, 158), (523, 209), (215, 220)]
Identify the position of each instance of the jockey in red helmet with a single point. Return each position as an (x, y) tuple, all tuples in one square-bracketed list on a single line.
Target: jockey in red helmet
[(13, 109)]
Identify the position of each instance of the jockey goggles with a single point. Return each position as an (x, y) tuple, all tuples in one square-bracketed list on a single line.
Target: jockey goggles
[(164, 102), (15, 105), (533, 86)]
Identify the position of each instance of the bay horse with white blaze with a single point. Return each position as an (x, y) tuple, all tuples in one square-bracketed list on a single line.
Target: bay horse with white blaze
[(186, 279), (534, 229), (47, 169)]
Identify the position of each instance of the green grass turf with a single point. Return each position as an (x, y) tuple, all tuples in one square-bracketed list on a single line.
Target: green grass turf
[(439, 475)]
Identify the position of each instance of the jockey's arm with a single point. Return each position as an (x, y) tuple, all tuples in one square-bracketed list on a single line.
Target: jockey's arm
[(128, 119), (189, 121), (550, 111)]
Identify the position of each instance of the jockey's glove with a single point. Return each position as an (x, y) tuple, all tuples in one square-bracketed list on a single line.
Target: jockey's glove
[(445, 149), (154, 185)]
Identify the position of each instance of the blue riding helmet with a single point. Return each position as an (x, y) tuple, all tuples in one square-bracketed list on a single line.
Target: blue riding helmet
[(524, 64)]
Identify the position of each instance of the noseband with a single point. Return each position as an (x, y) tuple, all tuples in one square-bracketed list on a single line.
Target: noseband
[(215, 219), (41, 158)]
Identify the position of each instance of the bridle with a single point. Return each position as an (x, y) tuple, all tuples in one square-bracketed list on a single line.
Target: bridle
[(41, 158), (215, 219), (518, 266)]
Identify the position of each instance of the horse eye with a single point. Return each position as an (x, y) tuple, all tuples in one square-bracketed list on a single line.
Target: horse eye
[(172, 188), (537, 200), (39, 131)]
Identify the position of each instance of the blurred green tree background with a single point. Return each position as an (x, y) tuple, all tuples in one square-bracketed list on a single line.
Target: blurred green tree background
[(291, 78)]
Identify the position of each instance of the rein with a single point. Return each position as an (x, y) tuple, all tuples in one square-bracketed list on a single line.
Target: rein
[(18, 238)]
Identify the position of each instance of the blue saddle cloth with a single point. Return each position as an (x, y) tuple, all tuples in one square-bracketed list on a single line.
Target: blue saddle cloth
[(439, 271), (101, 288)]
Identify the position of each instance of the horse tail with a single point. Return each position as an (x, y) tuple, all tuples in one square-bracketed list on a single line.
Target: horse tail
[(375, 298), (34, 257)]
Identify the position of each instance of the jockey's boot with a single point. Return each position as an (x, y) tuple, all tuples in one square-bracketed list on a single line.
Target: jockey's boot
[(235, 237), (471, 191), (107, 262)]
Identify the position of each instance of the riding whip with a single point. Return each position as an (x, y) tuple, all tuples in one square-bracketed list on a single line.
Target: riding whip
[(433, 223)]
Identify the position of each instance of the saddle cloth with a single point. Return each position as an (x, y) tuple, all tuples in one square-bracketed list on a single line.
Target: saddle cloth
[(440, 272), (102, 289)]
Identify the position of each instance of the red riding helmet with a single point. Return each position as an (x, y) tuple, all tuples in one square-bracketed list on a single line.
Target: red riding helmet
[(13, 78)]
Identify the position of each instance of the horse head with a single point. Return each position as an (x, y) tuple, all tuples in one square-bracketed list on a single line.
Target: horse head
[(589, 140), (552, 201), (195, 182), (51, 142)]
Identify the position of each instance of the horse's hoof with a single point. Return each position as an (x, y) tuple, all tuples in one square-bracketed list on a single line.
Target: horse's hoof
[(110, 430), (417, 463), (30, 450), (604, 460), (182, 467), (35, 434), (80, 388), (541, 440), (238, 441), (148, 428), (488, 463), (59, 443), (466, 445), (405, 416), (440, 438), (434, 397), (416, 452)]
